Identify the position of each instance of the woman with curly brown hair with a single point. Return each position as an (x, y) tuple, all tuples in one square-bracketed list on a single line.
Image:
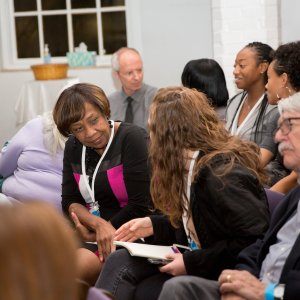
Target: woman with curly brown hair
[(209, 186)]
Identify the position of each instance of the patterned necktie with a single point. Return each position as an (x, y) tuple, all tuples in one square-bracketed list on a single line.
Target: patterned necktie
[(129, 112)]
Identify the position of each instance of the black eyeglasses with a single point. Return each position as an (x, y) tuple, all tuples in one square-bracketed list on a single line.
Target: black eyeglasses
[(286, 126)]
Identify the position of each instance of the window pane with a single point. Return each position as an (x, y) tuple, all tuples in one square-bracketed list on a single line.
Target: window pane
[(55, 34), (53, 4), (27, 37), (85, 30), (105, 3), (83, 4), (28, 5), (114, 31)]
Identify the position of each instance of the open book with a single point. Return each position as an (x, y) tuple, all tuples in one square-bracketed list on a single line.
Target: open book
[(149, 251)]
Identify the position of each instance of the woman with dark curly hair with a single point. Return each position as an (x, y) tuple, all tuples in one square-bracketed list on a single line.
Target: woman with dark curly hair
[(249, 115), (284, 81), (208, 185), (283, 72)]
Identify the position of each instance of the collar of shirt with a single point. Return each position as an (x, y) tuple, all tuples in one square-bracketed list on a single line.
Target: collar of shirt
[(135, 96)]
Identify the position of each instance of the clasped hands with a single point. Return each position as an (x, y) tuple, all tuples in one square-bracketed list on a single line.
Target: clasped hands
[(102, 232)]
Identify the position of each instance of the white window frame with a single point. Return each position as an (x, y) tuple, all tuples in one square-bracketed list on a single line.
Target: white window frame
[(8, 41)]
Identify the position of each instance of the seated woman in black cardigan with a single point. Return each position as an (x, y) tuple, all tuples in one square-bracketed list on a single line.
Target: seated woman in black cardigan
[(105, 180), (208, 185)]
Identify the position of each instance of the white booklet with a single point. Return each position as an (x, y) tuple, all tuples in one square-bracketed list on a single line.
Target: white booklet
[(149, 251)]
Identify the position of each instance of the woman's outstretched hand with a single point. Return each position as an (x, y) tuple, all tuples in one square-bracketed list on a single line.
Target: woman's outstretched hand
[(134, 229)]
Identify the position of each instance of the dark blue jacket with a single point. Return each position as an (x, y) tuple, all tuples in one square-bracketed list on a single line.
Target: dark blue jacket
[(251, 258)]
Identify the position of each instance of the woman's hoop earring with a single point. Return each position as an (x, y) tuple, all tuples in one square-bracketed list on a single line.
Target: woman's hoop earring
[(289, 90)]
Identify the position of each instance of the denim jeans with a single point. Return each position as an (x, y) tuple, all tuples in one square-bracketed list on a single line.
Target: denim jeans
[(122, 275)]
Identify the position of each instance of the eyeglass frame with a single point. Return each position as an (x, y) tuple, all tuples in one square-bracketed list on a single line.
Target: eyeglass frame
[(286, 122)]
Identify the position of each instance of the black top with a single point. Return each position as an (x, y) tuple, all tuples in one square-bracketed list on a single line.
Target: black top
[(122, 181), (228, 215)]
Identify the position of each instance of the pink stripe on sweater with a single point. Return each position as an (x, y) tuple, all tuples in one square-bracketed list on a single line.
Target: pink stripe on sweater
[(77, 177), (117, 184)]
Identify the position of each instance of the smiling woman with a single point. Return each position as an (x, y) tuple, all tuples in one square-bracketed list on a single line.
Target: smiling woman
[(105, 173), (92, 129), (248, 111), (250, 114)]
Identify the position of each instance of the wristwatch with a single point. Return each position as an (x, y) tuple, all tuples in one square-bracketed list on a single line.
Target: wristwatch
[(279, 291)]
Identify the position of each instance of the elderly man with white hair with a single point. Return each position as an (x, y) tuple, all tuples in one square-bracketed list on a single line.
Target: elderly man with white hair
[(270, 268), (131, 104)]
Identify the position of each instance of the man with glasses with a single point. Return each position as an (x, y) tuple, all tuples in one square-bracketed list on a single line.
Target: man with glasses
[(131, 104), (270, 268)]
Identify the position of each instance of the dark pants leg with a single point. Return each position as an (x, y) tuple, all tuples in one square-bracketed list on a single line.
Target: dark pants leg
[(150, 288), (191, 288), (122, 273)]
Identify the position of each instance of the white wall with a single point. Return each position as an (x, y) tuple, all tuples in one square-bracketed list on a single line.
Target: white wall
[(171, 33), (174, 32), (239, 22), (290, 21), (10, 86)]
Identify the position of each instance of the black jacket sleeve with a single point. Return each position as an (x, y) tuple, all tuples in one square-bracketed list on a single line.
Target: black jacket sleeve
[(248, 258), (70, 191), (136, 176), (234, 212), (292, 286)]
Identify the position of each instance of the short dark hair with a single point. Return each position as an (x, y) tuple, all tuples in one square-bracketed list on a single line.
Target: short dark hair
[(206, 76), (287, 60), (264, 53), (69, 107)]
